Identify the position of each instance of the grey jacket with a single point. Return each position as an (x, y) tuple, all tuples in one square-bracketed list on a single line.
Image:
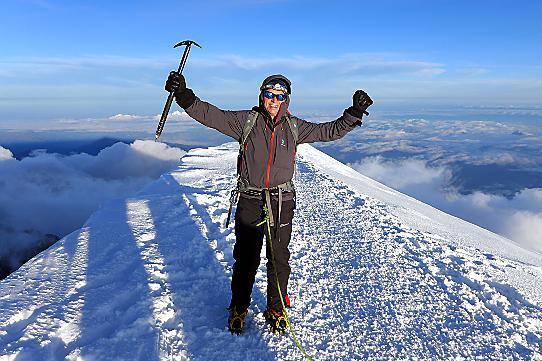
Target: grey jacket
[(269, 155)]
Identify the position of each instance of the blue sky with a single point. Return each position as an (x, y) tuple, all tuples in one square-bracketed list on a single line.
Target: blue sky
[(78, 59)]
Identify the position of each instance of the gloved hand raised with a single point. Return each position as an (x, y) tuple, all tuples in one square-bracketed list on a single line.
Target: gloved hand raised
[(175, 83), (361, 101), (183, 96)]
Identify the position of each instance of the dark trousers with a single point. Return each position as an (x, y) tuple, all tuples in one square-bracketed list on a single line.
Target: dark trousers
[(248, 245)]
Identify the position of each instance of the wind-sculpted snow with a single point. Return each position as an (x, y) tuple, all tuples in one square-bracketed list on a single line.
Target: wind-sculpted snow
[(375, 275)]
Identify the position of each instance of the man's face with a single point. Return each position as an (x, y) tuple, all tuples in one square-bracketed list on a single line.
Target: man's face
[(272, 105)]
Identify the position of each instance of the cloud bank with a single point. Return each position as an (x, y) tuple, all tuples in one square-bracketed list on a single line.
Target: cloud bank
[(518, 218), (52, 194)]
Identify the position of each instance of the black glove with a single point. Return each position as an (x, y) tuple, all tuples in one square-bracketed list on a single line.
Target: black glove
[(361, 101), (183, 96), (175, 83)]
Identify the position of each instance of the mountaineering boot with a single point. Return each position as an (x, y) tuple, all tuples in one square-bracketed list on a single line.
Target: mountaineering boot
[(276, 320), (236, 320)]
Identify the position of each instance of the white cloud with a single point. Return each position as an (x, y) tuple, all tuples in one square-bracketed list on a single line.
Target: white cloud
[(118, 123), (365, 63), (525, 226), (401, 174), (177, 115), (5, 154), (53, 194), (157, 150), (374, 64), (46, 65), (125, 117)]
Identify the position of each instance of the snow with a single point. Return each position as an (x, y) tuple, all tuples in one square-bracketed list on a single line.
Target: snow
[(376, 275)]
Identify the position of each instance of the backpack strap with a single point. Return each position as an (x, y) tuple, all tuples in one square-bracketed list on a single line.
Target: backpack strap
[(295, 133), (247, 128), (293, 128), (234, 196), (251, 120)]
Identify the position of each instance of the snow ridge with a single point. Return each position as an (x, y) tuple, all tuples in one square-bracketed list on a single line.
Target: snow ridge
[(376, 275)]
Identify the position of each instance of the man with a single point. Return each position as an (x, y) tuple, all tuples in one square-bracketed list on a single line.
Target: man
[(265, 167)]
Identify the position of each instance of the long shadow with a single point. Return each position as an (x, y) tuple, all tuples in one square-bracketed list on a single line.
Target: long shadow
[(189, 240), (117, 304), (113, 304), (91, 301)]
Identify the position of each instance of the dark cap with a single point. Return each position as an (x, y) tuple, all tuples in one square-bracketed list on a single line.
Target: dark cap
[(277, 82)]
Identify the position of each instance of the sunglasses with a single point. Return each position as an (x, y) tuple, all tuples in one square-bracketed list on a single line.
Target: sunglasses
[(269, 95)]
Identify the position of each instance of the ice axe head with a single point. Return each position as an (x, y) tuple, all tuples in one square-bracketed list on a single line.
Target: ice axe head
[(188, 43), (167, 106)]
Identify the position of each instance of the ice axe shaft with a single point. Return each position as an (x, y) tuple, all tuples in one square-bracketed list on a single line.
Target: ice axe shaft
[(171, 96)]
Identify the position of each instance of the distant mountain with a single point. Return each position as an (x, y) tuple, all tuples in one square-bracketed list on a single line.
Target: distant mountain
[(376, 275), (94, 147), (64, 147)]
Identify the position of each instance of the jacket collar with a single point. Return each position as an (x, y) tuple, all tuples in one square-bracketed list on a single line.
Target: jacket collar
[(281, 115)]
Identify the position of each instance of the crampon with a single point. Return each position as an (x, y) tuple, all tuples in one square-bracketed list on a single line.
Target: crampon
[(276, 320), (236, 321)]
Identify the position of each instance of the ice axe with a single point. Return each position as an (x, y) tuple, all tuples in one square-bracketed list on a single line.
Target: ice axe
[(171, 96)]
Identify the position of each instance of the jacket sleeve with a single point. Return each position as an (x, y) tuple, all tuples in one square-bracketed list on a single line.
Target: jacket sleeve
[(225, 121), (326, 132)]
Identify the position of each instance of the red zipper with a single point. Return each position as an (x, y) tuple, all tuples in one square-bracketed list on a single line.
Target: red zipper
[(271, 148), (270, 158)]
